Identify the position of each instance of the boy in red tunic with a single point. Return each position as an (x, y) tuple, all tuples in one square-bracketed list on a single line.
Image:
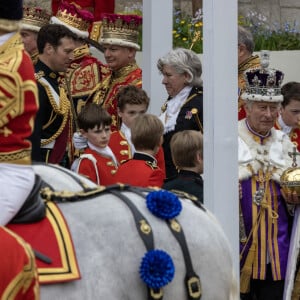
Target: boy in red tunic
[(132, 102), (98, 162), (142, 170)]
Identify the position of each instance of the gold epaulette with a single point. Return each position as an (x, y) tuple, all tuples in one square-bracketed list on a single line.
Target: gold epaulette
[(152, 165), (39, 75)]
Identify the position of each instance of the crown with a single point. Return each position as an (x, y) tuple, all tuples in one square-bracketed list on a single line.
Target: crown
[(263, 83), (75, 18), (122, 30), (34, 18)]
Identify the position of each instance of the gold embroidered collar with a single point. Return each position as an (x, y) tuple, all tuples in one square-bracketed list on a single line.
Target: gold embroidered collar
[(81, 51), (12, 43), (125, 71), (248, 63)]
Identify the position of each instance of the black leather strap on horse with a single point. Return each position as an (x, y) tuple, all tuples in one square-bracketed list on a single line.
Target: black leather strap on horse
[(192, 280), (145, 232)]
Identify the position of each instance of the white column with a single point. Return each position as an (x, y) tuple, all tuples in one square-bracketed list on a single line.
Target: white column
[(157, 41), (220, 116)]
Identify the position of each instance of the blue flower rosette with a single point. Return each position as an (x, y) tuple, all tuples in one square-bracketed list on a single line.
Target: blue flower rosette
[(163, 204)]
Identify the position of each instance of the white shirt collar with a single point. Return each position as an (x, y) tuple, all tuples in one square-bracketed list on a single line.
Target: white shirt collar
[(283, 127), (104, 151)]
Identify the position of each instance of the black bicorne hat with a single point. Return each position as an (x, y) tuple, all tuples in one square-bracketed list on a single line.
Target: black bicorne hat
[(11, 12)]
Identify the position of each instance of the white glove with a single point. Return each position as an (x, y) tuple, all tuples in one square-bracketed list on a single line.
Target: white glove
[(79, 141)]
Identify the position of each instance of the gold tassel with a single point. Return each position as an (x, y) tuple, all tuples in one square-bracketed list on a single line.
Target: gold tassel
[(246, 272)]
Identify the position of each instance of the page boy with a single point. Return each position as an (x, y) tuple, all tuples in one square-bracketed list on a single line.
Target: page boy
[(131, 102), (98, 162), (142, 170), (187, 154)]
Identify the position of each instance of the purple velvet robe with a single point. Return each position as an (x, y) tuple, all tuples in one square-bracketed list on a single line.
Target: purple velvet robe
[(273, 232)]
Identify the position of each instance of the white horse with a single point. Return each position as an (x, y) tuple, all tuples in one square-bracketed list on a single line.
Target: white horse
[(109, 248)]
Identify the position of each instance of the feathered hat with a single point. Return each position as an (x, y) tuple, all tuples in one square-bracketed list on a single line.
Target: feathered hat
[(75, 18), (120, 30), (263, 83), (11, 13), (34, 18)]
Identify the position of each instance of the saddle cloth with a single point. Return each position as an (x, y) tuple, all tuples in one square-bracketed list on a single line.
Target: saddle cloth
[(51, 238)]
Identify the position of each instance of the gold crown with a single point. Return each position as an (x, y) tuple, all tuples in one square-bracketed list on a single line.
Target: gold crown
[(72, 20), (34, 18), (121, 30)]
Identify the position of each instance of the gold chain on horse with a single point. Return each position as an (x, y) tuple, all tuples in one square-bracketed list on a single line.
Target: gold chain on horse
[(61, 196)]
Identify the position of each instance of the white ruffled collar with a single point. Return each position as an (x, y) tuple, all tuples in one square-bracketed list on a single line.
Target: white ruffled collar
[(127, 132), (106, 151), (174, 105)]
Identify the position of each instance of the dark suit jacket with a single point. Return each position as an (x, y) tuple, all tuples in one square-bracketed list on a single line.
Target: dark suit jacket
[(188, 182), (184, 122)]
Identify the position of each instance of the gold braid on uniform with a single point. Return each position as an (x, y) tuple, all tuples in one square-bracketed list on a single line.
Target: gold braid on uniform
[(81, 51), (63, 110), (102, 90), (248, 63)]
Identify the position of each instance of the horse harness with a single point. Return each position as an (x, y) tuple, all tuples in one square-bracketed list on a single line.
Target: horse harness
[(192, 280)]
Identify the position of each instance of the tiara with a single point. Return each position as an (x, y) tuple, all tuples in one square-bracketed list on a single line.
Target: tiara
[(121, 29), (263, 83), (34, 18)]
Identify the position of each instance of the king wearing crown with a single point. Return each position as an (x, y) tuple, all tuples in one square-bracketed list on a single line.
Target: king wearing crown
[(119, 38), (265, 217)]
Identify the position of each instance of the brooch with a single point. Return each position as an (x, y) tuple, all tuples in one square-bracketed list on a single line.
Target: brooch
[(188, 115)]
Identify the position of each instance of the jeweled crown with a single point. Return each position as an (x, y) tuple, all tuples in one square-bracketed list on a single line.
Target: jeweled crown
[(75, 18), (34, 18), (122, 30), (264, 83)]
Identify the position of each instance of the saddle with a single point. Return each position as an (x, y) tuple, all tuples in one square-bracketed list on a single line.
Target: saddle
[(33, 209)]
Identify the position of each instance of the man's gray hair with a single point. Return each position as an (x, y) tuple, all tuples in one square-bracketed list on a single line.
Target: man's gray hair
[(183, 61), (245, 37)]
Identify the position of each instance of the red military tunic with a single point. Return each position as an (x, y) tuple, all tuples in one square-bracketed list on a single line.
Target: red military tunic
[(121, 148), (83, 75), (18, 273), (18, 102), (97, 7), (251, 62), (294, 135), (98, 168), (109, 87), (141, 171)]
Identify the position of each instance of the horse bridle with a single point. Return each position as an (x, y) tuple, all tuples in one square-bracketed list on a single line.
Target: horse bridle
[(192, 280)]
